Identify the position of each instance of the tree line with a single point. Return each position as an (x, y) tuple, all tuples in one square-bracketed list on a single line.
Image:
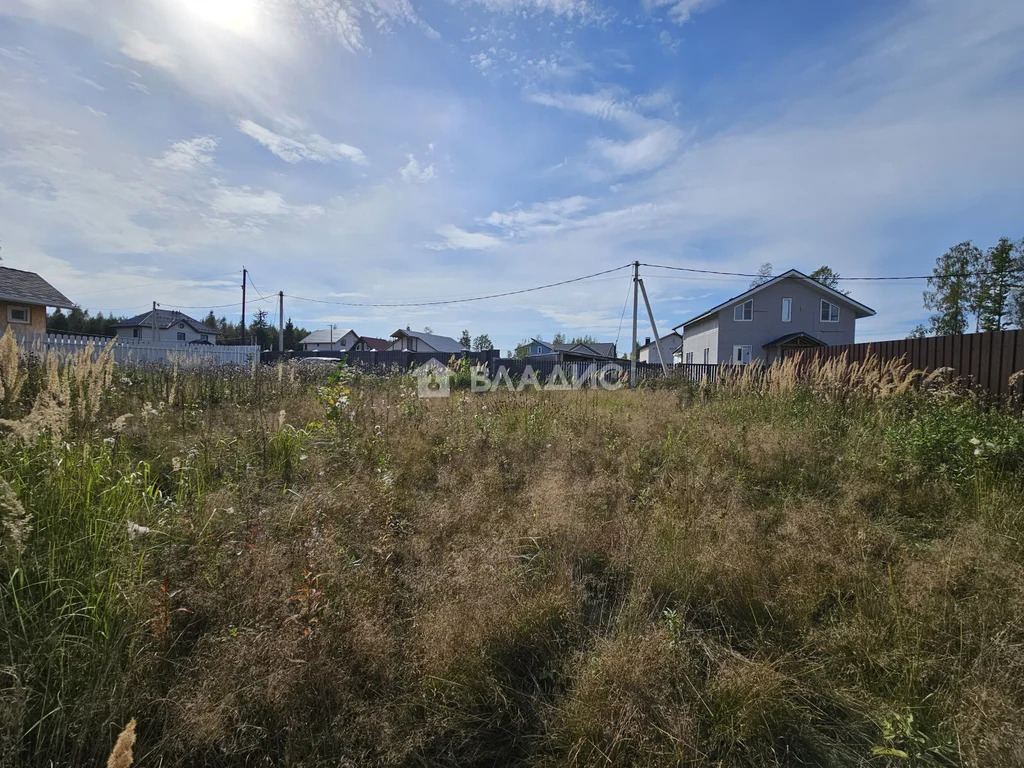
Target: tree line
[(970, 283), (259, 331)]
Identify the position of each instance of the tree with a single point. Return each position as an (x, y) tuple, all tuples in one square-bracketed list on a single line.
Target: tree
[(522, 349), (995, 274), (1016, 308), (427, 329), (828, 277), (482, 343), (764, 274), (465, 340), (558, 338), (952, 293), (588, 339), (210, 320), (58, 321), (918, 332)]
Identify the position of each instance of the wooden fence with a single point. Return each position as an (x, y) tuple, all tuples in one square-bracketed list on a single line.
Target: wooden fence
[(988, 359), (145, 350)]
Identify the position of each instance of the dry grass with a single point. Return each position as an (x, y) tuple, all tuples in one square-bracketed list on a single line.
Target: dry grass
[(805, 568)]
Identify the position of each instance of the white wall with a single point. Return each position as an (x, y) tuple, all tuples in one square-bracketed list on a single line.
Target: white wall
[(701, 336), (668, 345), (165, 334)]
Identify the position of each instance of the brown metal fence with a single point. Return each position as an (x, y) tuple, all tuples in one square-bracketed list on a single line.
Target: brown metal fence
[(987, 359)]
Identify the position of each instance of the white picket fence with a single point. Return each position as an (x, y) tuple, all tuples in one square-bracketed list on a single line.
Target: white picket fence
[(147, 350)]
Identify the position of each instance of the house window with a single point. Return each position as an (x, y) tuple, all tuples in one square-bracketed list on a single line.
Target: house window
[(707, 355), (689, 358), (744, 312), (829, 312), (181, 325), (19, 315), (181, 336), (135, 333), (204, 337), (741, 354), (787, 310)]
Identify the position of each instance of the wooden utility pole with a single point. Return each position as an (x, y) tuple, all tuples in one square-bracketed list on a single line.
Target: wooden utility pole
[(280, 321), (654, 327), (245, 274), (154, 321), (636, 298)]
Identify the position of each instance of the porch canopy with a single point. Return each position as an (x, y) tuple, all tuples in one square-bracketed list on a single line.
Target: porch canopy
[(785, 346)]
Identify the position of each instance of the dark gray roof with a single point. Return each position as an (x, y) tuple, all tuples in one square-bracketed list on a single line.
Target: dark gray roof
[(860, 310), (439, 343), (374, 343), (165, 318), (18, 285)]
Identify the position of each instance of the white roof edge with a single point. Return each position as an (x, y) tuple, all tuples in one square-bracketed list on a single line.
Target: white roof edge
[(868, 311)]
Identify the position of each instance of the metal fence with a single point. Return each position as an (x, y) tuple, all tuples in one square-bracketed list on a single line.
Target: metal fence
[(145, 350), (987, 359)]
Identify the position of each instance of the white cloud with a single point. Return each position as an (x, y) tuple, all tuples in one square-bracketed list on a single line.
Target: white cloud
[(248, 203), (650, 151), (414, 171), (681, 11), (298, 148), (539, 216), (455, 238), (95, 112), (188, 155)]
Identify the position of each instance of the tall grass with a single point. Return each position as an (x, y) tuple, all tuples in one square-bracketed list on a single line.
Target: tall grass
[(818, 566)]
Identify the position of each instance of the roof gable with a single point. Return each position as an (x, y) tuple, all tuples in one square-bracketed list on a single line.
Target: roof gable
[(860, 310), (30, 288), (326, 336), (165, 318), (438, 342)]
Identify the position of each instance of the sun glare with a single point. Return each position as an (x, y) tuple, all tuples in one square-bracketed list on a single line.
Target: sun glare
[(240, 17)]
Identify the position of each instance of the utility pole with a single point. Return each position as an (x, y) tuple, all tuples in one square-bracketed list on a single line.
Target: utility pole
[(280, 321), (245, 274), (654, 327), (636, 297), (154, 321)]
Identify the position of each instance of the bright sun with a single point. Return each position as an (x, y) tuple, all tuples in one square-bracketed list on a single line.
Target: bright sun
[(238, 16)]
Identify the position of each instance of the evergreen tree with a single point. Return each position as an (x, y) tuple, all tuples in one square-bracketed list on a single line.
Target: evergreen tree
[(558, 338), (465, 339), (995, 274), (58, 322), (952, 292)]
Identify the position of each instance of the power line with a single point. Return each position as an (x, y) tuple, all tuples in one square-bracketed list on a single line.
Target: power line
[(977, 273), (459, 301)]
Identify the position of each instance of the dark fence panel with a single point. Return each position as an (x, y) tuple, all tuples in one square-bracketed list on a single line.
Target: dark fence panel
[(988, 359)]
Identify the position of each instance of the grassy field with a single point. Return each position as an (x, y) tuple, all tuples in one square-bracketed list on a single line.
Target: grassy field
[(268, 567)]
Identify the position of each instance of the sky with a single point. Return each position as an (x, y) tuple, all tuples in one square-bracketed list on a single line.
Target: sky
[(386, 151)]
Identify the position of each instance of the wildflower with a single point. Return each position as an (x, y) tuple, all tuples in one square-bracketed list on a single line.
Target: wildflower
[(977, 451), (974, 441), (135, 531)]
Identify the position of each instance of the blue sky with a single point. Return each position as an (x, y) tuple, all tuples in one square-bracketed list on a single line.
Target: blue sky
[(386, 151)]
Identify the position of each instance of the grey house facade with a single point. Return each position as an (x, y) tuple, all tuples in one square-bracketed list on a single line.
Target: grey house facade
[(166, 325), (771, 321)]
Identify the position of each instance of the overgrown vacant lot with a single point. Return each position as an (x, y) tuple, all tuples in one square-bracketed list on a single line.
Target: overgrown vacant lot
[(264, 568)]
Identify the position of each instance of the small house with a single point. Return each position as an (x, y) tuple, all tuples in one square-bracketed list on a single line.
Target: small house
[(24, 298), (166, 325)]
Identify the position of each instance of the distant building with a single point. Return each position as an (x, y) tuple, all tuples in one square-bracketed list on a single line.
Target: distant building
[(370, 344), (421, 341), (328, 339), (166, 325), (539, 349), (670, 344), (772, 321), (24, 297)]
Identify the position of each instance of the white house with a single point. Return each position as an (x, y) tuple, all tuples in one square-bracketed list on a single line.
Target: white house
[(166, 325), (670, 344), (330, 340), (772, 321)]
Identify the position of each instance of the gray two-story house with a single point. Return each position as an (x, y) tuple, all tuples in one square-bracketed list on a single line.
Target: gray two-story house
[(770, 321)]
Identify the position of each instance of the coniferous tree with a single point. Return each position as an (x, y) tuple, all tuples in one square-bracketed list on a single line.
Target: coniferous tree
[(952, 292)]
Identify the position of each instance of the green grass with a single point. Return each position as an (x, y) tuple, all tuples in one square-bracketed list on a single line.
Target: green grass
[(339, 573)]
